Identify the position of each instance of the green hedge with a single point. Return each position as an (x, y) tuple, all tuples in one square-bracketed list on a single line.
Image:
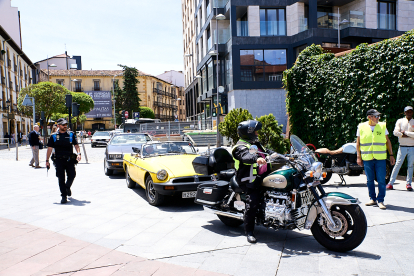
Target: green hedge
[(328, 97)]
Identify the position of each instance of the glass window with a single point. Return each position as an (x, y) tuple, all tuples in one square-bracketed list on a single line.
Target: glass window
[(386, 15), (204, 78), (262, 65), (325, 17), (272, 22), (210, 75)]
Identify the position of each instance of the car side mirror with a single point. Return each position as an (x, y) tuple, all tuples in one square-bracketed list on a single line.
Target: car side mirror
[(198, 150), (136, 150)]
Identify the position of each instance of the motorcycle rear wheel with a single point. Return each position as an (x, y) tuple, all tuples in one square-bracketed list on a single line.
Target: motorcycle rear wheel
[(351, 234), (232, 222)]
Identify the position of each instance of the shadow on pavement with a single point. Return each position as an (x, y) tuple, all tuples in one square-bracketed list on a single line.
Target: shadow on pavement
[(400, 208), (75, 202)]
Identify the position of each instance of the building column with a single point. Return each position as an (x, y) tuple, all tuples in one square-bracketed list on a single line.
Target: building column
[(253, 17), (313, 14)]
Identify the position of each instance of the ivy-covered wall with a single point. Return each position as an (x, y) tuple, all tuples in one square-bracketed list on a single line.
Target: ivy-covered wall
[(327, 97)]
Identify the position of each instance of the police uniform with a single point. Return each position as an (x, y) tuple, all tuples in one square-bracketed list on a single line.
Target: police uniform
[(248, 179), (65, 160)]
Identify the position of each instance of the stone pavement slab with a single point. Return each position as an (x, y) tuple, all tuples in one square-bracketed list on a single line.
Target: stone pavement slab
[(105, 218)]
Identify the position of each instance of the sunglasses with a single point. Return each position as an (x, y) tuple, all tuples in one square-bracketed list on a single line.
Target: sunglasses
[(65, 125), (376, 116)]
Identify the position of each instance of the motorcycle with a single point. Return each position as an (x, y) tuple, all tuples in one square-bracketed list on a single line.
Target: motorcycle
[(343, 161), (292, 197)]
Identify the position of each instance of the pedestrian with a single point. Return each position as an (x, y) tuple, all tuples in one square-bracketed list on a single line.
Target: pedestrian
[(89, 133), (404, 130), (20, 137), (34, 143), (54, 129), (13, 138), (63, 141), (251, 169), (372, 145)]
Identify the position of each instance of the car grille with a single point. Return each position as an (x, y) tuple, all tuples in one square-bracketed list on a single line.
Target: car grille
[(192, 179)]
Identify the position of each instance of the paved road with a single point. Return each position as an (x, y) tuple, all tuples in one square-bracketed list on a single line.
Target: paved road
[(105, 213)]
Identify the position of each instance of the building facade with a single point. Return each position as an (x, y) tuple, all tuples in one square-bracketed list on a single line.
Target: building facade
[(155, 93), (254, 41), (16, 72), (177, 78)]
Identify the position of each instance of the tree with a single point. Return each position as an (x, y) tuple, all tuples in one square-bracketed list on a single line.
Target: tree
[(118, 96), (129, 100), (49, 98), (146, 112), (86, 104), (228, 128), (270, 136)]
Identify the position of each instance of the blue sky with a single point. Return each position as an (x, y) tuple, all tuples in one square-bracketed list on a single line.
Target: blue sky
[(146, 34)]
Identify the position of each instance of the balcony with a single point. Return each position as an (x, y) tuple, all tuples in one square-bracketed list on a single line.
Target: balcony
[(78, 89), (15, 68), (9, 63), (242, 28), (96, 89), (273, 28), (10, 84), (386, 21), (3, 80)]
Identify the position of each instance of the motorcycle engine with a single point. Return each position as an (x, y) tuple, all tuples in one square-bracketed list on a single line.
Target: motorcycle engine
[(277, 210)]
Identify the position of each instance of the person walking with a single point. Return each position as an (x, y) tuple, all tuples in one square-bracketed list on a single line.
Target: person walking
[(34, 143), (372, 145), (13, 138), (20, 137), (251, 169), (63, 141), (404, 130)]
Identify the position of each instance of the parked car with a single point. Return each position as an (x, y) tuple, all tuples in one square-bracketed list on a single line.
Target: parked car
[(163, 169), (119, 145), (100, 138)]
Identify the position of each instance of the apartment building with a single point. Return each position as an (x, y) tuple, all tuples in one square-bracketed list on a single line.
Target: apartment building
[(16, 72), (249, 43), (176, 78), (155, 93)]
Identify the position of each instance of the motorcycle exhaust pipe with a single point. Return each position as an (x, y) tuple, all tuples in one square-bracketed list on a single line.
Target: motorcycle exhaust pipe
[(226, 214)]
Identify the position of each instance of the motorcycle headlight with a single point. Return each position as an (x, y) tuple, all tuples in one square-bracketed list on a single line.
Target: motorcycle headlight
[(115, 156), (316, 168), (162, 174)]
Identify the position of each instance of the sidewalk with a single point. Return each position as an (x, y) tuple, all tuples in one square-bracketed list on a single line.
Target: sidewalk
[(29, 250)]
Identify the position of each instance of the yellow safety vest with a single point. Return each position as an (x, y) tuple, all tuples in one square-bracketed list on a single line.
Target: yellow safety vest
[(373, 144), (252, 167)]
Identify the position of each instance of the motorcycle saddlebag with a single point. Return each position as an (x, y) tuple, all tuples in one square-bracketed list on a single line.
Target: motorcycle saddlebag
[(211, 193)]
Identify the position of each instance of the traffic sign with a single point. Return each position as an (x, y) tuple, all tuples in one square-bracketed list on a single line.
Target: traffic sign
[(135, 115), (126, 114)]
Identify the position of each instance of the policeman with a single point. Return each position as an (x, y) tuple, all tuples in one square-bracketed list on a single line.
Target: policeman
[(251, 169), (65, 161)]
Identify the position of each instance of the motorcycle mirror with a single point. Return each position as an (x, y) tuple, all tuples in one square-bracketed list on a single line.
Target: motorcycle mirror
[(253, 149)]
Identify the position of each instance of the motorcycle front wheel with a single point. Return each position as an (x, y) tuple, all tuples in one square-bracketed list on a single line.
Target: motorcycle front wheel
[(349, 232)]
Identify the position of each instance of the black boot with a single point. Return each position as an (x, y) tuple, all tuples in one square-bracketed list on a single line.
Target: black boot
[(68, 191), (251, 238), (64, 200)]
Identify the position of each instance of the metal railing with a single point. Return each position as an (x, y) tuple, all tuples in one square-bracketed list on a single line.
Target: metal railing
[(78, 89), (97, 89)]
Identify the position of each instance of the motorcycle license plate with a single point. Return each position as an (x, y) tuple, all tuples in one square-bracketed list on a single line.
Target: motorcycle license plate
[(189, 194)]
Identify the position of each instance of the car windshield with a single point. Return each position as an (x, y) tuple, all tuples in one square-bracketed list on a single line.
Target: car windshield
[(167, 148), (129, 139), (101, 133)]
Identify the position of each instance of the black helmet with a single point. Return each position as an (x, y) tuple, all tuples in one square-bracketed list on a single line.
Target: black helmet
[(246, 130)]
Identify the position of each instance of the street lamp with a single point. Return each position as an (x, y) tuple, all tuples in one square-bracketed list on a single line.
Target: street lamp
[(339, 31), (216, 53), (113, 90)]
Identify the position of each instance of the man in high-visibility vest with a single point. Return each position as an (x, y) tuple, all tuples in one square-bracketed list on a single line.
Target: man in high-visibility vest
[(372, 145), (251, 168)]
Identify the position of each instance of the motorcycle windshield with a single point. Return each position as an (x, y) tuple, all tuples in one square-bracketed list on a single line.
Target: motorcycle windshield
[(304, 152)]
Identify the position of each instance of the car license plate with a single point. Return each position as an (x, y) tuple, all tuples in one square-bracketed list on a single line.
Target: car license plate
[(189, 194)]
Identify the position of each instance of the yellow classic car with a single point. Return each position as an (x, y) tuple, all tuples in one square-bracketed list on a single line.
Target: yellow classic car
[(163, 169)]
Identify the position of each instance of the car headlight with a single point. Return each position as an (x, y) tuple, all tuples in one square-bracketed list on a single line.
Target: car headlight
[(162, 174), (115, 156)]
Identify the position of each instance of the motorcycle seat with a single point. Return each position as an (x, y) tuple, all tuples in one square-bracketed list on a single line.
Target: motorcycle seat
[(227, 174), (328, 151), (235, 186)]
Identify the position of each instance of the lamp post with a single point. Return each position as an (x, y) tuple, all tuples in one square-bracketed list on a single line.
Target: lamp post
[(113, 90), (51, 65), (339, 31), (216, 53)]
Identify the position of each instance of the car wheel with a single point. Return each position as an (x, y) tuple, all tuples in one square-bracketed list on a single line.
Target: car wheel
[(153, 197), (92, 145), (130, 183), (107, 171)]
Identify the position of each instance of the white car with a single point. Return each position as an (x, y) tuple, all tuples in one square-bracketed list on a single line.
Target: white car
[(100, 138)]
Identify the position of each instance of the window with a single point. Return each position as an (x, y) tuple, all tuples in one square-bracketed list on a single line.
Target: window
[(204, 78), (262, 65), (210, 72), (386, 15), (228, 69), (78, 86), (96, 85), (243, 26), (325, 17), (209, 42), (60, 82), (272, 22)]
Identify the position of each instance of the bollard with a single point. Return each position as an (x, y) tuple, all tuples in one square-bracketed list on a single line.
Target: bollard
[(17, 151), (84, 151)]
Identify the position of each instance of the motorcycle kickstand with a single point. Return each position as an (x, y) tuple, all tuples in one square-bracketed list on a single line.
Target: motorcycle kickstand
[(343, 182)]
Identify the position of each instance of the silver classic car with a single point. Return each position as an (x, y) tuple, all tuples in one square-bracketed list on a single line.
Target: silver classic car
[(120, 144)]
